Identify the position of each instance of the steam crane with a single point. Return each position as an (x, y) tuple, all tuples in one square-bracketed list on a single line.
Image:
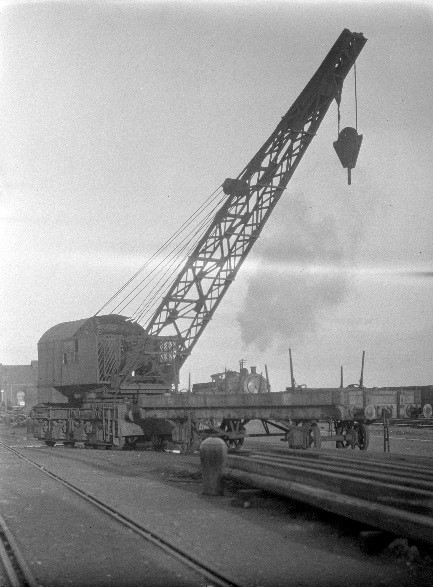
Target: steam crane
[(109, 357), (197, 291)]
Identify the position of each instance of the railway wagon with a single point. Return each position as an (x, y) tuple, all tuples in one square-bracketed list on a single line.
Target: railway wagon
[(395, 402), (80, 360), (186, 419)]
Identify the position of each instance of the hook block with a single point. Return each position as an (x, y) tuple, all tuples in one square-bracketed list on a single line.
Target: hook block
[(347, 147)]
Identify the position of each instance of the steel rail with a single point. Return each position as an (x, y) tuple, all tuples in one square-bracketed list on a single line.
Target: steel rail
[(16, 569), (188, 559), (424, 477), (411, 423), (386, 490), (363, 495), (407, 464), (418, 476), (374, 515)]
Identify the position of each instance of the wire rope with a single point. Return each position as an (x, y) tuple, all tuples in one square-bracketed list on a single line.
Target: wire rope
[(144, 308), (356, 99), (183, 226), (166, 259), (147, 305), (179, 231), (173, 259)]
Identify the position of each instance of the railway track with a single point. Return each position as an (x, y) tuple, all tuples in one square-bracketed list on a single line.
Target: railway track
[(74, 465), (426, 423), (14, 571), (211, 576), (394, 494)]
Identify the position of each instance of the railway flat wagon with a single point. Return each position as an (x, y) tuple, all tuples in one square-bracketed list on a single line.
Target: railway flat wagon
[(186, 419)]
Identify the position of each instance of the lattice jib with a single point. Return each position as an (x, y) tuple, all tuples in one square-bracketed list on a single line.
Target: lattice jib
[(236, 226)]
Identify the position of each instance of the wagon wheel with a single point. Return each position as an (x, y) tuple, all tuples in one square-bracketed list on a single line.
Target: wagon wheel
[(236, 426), (314, 439), (131, 442), (363, 435), (50, 442), (207, 425), (119, 446), (158, 442), (234, 443), (342, 430), (360, 434)]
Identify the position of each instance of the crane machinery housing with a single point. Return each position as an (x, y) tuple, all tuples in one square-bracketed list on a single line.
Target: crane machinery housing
[(119, 379)]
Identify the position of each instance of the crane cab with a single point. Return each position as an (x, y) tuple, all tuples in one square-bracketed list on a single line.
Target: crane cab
[(83, 355)]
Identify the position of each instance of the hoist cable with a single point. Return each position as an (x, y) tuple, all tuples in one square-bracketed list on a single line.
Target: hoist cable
[(338, 119), (167, 262), (147, 303), (356, 106), (356, 99), (178, 260), (150, 299), (187, 222), (148, 278), (175, 235), (163, 262)]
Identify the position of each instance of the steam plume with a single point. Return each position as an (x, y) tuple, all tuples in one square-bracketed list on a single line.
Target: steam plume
[(300, 273)]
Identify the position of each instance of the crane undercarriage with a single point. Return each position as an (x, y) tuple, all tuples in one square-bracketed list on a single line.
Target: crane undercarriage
[(186, 419)]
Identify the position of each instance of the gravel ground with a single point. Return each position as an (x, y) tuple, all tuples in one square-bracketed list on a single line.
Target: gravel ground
[(256, 538)]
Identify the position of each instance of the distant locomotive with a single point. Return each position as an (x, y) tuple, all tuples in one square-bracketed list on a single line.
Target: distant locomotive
[(234, 382)]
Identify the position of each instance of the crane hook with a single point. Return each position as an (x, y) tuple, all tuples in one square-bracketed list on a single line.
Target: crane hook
[(347, 147)]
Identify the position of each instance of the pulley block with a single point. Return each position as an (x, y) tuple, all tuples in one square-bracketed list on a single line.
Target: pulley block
[(236, 187), (347, 148)]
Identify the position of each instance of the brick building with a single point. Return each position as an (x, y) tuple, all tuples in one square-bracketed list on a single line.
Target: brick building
[(18, 384)]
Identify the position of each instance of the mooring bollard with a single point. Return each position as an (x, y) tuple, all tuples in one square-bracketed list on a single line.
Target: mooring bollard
[(212, 458)]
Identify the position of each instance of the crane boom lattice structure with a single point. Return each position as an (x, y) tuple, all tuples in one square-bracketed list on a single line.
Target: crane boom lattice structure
[(211, 268)]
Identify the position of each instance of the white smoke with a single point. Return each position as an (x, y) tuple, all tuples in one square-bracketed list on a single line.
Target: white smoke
[(302, 271)]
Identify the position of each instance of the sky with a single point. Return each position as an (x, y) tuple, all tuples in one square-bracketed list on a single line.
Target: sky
[(118, 119)]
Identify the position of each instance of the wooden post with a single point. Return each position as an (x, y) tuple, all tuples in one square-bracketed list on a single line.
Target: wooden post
[(212, 458), (361, 380), (267, 379), (385, 421), (292, 379), (341, 377)]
